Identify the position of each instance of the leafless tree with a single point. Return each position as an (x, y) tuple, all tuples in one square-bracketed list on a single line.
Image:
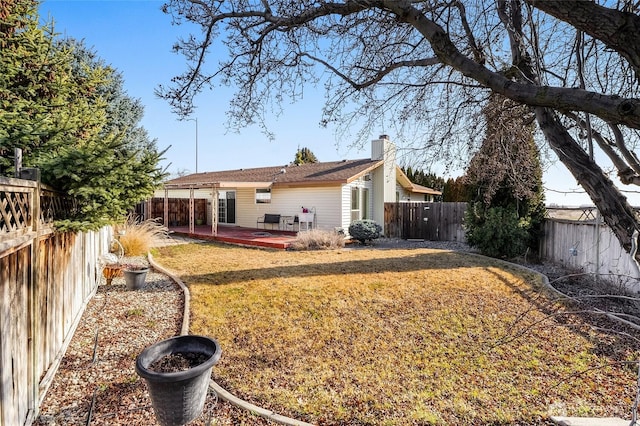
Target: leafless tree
[(429, 67)]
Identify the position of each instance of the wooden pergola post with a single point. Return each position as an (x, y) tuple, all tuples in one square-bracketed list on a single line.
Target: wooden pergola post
[(214, 210), (192, 228), (166, 207)]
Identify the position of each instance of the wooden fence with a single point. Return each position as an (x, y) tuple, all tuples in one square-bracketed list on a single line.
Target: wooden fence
[(425, 221), (591, 247), (46, 278), (177, 210)]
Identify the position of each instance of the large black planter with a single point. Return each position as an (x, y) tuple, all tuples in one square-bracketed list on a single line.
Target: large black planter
[(178, 398)]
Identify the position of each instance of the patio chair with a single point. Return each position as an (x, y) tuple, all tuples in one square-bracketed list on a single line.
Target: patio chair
[(292, 222)]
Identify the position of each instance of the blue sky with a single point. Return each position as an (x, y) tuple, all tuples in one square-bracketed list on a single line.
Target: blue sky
[(136, 38)]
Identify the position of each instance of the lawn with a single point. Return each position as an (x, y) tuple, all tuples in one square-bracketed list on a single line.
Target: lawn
[(396, 337)]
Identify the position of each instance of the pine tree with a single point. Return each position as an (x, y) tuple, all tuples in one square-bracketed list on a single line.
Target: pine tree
[(506, 177), (68, 112), (304, 156)]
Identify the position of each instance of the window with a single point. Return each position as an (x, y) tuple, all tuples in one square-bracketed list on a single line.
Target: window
[(365, 204), (355, 204), (263, 195)]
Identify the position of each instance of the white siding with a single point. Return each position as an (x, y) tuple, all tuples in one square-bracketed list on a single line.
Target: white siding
[(325, 201), (247, 211), (404, 194), (378, 195), (346, 201)]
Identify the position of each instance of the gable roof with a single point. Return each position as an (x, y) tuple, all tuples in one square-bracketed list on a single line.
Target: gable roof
[(309, 174)]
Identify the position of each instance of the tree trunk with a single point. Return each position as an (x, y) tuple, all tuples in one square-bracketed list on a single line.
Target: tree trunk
[(613, 206)]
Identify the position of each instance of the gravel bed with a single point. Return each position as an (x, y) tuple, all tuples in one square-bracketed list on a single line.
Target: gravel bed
[(397, 243), (96, 383)]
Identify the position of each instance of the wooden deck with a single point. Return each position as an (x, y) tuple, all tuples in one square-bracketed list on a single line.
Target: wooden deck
[(269, 238)]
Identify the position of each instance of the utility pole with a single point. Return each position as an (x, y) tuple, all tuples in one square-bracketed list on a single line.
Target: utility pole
[(196, 120)]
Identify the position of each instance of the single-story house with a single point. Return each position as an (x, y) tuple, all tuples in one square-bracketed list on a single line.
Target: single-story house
[(323, 195)]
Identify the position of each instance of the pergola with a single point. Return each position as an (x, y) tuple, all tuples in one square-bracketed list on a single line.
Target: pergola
[(215, 188)]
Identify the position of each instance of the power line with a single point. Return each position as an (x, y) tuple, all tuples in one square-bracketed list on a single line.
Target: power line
[(582, 191)]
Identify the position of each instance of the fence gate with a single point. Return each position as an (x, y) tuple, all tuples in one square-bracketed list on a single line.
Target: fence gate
[(406, 220), (425, 221)]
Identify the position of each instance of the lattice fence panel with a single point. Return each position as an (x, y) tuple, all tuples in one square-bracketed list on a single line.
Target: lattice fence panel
[(55, 206), (14, 211)]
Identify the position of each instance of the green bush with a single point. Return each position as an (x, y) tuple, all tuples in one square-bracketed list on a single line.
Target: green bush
[(364, 230), (496, 231)]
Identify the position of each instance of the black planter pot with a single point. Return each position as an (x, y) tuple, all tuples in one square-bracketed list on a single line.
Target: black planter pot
[(178, 398)]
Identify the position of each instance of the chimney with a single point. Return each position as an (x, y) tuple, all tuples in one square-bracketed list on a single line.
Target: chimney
[(383, 178), (383, 149)]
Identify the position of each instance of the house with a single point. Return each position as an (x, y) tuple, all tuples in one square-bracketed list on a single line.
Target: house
[(333, 193)]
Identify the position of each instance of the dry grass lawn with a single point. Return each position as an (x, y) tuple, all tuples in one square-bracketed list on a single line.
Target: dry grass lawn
[(397, 337)]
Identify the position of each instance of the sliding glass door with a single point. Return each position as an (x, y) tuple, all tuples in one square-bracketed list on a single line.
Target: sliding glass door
[(227, 207)]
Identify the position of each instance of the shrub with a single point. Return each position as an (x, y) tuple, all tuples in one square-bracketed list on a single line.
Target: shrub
[(364, 230), (317, 239), (496, 231), (137, 237)]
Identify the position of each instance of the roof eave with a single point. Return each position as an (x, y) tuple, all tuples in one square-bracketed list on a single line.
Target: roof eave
[(224, 184), (364, 172)]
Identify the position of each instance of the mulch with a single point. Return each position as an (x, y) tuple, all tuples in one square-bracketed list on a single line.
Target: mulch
[(96, 383)]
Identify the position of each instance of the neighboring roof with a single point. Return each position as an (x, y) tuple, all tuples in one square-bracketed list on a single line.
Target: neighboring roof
[(413, 187), (335, 172)]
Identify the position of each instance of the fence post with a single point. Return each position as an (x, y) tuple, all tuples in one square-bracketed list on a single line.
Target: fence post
[(17, 161), (32, 303)]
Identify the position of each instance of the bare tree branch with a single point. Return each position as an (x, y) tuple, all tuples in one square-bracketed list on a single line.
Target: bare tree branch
[(417, 66), (619, 30)]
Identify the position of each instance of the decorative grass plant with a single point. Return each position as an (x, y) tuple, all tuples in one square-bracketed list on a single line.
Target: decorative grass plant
[(137, 236), (317, 239)]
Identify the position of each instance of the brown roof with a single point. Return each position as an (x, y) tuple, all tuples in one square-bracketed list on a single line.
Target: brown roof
[(335, 172)]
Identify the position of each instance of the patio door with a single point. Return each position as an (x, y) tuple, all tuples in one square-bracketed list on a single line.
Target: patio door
[(227, 207)]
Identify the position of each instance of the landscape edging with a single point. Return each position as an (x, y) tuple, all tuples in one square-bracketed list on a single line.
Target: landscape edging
[(220, 391)]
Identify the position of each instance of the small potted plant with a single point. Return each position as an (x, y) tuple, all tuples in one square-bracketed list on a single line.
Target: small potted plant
[(135, 275)]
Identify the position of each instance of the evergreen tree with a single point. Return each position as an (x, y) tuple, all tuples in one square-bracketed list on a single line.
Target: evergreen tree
[(304, 156), (69, 114), (456, 190), (409, 172), (506, 178)]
